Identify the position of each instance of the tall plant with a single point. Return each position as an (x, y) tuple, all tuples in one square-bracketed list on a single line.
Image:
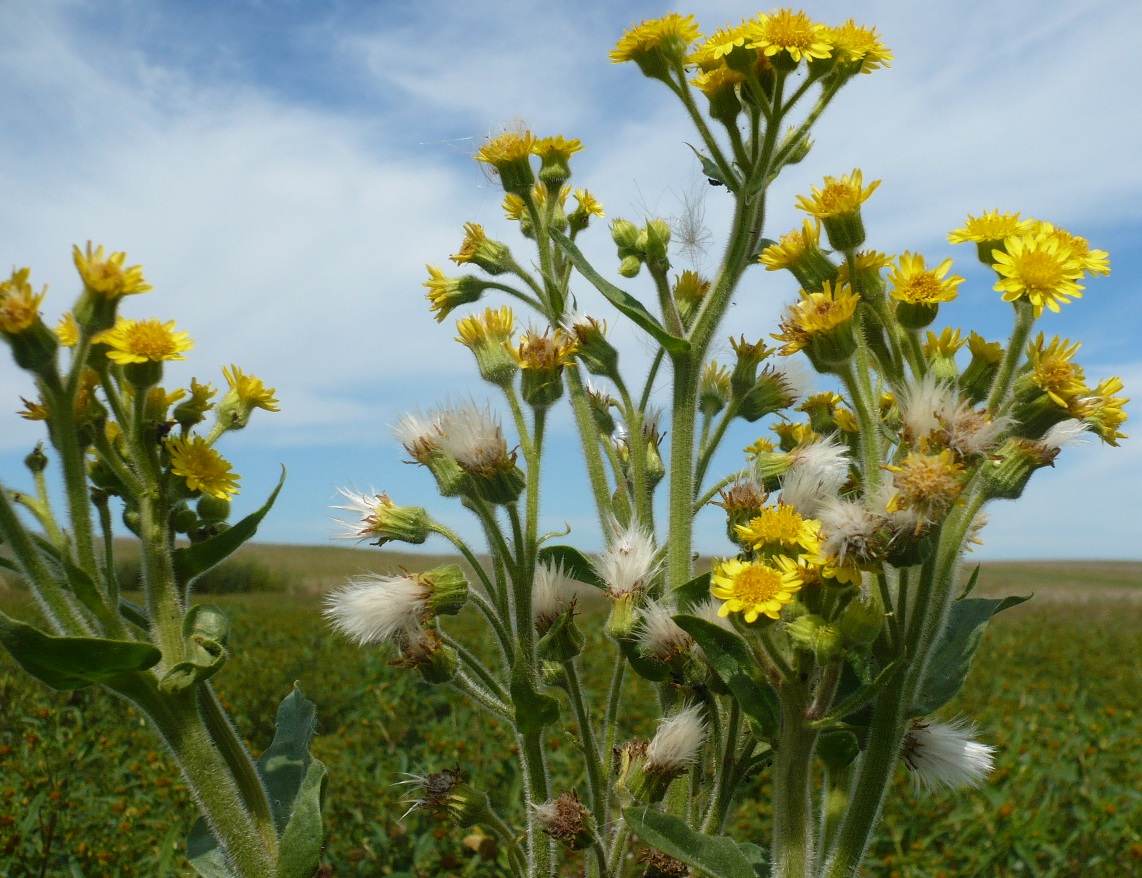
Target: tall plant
[(122, 442), (820, 649)]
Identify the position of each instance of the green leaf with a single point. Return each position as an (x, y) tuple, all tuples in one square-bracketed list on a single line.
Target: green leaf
[(205, 631), (83, 587), (733, 660), (971, 583), (574, 563), (134, 614), (712, 171), (949, 665), (73, 662), (533, 710), (693, 592), (194, 560), (838, 749), (625, 302), (295, 785), (715, 856)]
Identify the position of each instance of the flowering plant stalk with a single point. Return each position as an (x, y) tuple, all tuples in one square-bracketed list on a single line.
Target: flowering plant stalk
[(819, 649), (121, 439)]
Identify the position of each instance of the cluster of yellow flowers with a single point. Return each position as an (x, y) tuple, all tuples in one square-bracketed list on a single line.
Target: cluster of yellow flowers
[(123, 357)]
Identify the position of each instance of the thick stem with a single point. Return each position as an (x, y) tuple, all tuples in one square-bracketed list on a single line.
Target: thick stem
[(793, 852)]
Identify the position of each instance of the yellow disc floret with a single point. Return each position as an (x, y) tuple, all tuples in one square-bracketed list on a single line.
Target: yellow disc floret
[(754, 588), (202, 468)]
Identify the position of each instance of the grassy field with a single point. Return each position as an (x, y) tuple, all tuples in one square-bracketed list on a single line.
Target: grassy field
[(86, 789)]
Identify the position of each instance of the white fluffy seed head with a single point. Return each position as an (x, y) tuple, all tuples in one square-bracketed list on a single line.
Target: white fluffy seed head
[(947, 755), (850, 529), (375, 609), (676, 744), (552, 593), (658, 635), (418, 434), (471, 434), (816, 473), (925, 405), (630, 562)]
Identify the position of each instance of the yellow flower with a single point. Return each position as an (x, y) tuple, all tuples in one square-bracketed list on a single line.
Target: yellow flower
[(792, 33), (758, 447), (657, 42), (203, 468), (755, 588), (144, 341), (1053, 372), (792, 246), (552, 350), (588, 204), (1102, 411), (555, 147), (19, 306), (912, 281), (946, 344), (927, 484), (841, 196), (67, 330), (1092, 261), (1035, 267), (817, 314), (514, 207), (781, 530), (990, 227), (445, 294), (105, 275), (858, 46), (510, 146), (247, 391), (33, 411), (714, 52), (493, 326)]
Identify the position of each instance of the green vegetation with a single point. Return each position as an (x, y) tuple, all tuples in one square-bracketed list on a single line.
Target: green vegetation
[(1054, 687)]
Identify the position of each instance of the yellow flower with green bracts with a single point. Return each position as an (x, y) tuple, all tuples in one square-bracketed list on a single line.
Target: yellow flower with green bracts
[(782, 530), (913, 282), (816, 314), (1092, 261), (927, 484), (755, 588), (510, 146), (657, 39), (248, 391), (840, 196), (792, 247), (201, 467), (712, 55), (1102, 410), (1052, 370), (67, 330), (105, 275), (556, 147), (946, 344), (1037, 268), (859, 46), (144, 341), (990, 226), (19, 305), (792, 33)]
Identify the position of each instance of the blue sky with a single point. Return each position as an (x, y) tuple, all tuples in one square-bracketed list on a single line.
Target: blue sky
[(284, 169)]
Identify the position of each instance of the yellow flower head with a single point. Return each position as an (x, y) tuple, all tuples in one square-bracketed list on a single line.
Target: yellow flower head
[(716, 49), (946, 344), (33, 411), (719, 82), (782, 530), (478, 249), (912, 281), (755, 588), (1052, 370), (445, 294), (815, 315), (927, 484), (990, 227), (514, 207), (792, 246), (494, 326), (19, 306), (1035, 267), (588, 204), (1092, 261), (144, 341), (67, 330), (859, 47), (510, 155), (555, 147), (657, 44), (841, 196), (552, 350), (247, 391), (791, 33), (984, 350), (105, 276), (1103, 412), (202, 468)]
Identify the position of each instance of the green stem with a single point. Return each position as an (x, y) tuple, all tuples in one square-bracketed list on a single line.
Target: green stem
[(590, 747), (1024, 320), (208, 775), (793, 854), (589, 438)]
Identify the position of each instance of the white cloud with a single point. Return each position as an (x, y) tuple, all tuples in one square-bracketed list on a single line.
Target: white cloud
[(291, 237)]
